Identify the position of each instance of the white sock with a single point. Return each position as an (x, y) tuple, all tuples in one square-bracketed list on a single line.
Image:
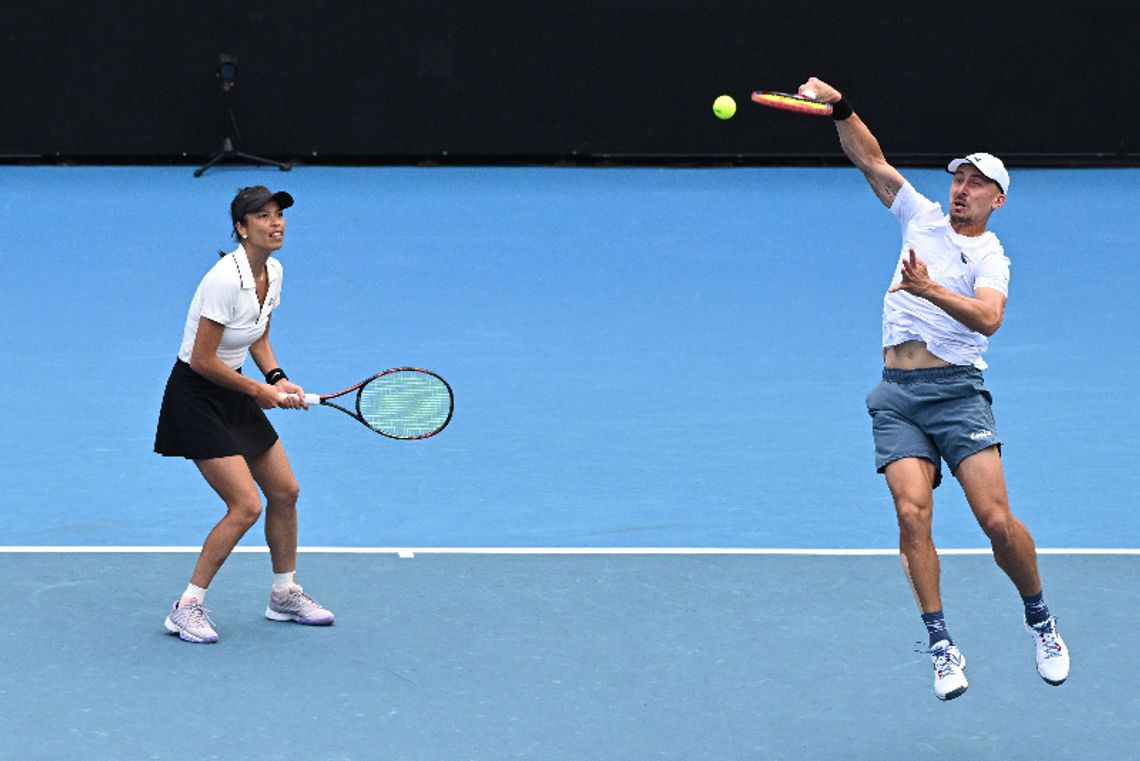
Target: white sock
[(194, 592), (282, 582)]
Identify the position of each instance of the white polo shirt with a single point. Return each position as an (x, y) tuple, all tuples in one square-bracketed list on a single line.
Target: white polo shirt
[(959, 262), (228, 296)]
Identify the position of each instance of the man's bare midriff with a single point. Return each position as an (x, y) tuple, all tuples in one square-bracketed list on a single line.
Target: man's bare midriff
[(911, 355)]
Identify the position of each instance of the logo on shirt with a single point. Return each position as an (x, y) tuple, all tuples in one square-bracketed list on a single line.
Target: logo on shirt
[(965, 259), (982, 434)]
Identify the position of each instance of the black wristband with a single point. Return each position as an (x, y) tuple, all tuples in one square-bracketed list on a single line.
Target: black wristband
[(841, 110), (274, 375)]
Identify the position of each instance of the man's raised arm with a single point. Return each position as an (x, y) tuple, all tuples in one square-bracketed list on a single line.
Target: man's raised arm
[(857, 142)]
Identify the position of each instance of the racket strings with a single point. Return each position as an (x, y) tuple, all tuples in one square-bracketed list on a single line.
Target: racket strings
[(790, 102), (405, 404)]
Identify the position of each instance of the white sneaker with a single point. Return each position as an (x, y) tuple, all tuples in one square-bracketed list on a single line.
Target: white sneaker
[(191, 622), (1052, 655), (949, 670), (295, 605)]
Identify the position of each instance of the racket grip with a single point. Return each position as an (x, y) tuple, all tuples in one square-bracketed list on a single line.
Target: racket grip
[(309, 398)]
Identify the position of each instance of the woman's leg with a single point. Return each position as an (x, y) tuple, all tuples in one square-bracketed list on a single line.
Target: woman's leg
[(231, 478), (272, 472)]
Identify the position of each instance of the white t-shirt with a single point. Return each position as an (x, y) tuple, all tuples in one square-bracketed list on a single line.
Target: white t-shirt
[(958, 262), (228, 296)]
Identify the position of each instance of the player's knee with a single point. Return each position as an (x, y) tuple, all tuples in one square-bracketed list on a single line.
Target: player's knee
[(914, 516), (997, 525), (245, 511), (286, 494)]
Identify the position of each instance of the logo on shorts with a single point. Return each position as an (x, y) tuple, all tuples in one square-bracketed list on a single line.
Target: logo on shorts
[(982, 434)]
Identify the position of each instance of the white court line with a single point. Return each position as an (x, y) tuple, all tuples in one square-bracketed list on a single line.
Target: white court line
[(406, 552)]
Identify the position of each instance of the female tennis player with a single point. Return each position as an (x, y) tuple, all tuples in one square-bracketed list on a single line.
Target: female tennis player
[(213, 414)]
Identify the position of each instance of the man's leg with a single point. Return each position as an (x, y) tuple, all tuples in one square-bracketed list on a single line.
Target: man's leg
[(983, 482), (911, 481), (1015, 552)]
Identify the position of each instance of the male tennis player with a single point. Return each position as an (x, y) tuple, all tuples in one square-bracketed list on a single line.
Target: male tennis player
[(947, 296), (212, 414)]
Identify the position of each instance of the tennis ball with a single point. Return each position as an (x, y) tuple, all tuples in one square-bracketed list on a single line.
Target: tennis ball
[(724, 107)]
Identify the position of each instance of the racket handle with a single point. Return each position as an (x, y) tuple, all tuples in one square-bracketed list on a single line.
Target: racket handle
[(309, 398)]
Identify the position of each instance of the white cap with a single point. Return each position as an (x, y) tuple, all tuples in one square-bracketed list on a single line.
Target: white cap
[(988, 164)]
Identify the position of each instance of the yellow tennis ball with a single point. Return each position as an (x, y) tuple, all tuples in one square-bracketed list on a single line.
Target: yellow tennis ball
[(724, 107)]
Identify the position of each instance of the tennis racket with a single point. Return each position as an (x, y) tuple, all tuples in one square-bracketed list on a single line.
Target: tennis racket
[(800, 104), (402, 403)]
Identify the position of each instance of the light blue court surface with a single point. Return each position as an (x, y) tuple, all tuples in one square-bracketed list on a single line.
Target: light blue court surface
[(642, 358)]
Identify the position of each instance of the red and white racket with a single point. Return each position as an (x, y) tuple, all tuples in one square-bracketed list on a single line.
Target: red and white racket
[(800, 104)]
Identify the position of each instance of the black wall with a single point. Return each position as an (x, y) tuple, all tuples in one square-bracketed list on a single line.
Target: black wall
[(543, 80)]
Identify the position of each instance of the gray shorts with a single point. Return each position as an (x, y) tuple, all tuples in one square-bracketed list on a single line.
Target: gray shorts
[(940, 413)]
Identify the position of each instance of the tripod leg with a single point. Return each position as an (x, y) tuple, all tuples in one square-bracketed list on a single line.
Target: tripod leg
[(202, 169), (226, 150)]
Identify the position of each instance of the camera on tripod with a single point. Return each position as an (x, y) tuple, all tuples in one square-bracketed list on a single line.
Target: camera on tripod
[(227, 72)]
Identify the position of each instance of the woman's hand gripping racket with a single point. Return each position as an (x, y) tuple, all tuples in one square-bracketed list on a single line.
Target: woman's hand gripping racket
[(802, 103), (401, 403)]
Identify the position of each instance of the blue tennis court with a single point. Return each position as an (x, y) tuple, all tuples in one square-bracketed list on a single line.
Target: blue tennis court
[(653, 528)]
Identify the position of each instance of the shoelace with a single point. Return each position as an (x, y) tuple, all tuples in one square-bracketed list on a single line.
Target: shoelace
[(1047, 633), (299, 599), (196, 615), (945, 660)]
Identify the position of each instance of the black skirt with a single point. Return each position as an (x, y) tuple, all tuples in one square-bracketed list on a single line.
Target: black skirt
[(201, 420)]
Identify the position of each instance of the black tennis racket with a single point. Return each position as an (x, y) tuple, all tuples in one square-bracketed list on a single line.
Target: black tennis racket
[(402, 403)]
